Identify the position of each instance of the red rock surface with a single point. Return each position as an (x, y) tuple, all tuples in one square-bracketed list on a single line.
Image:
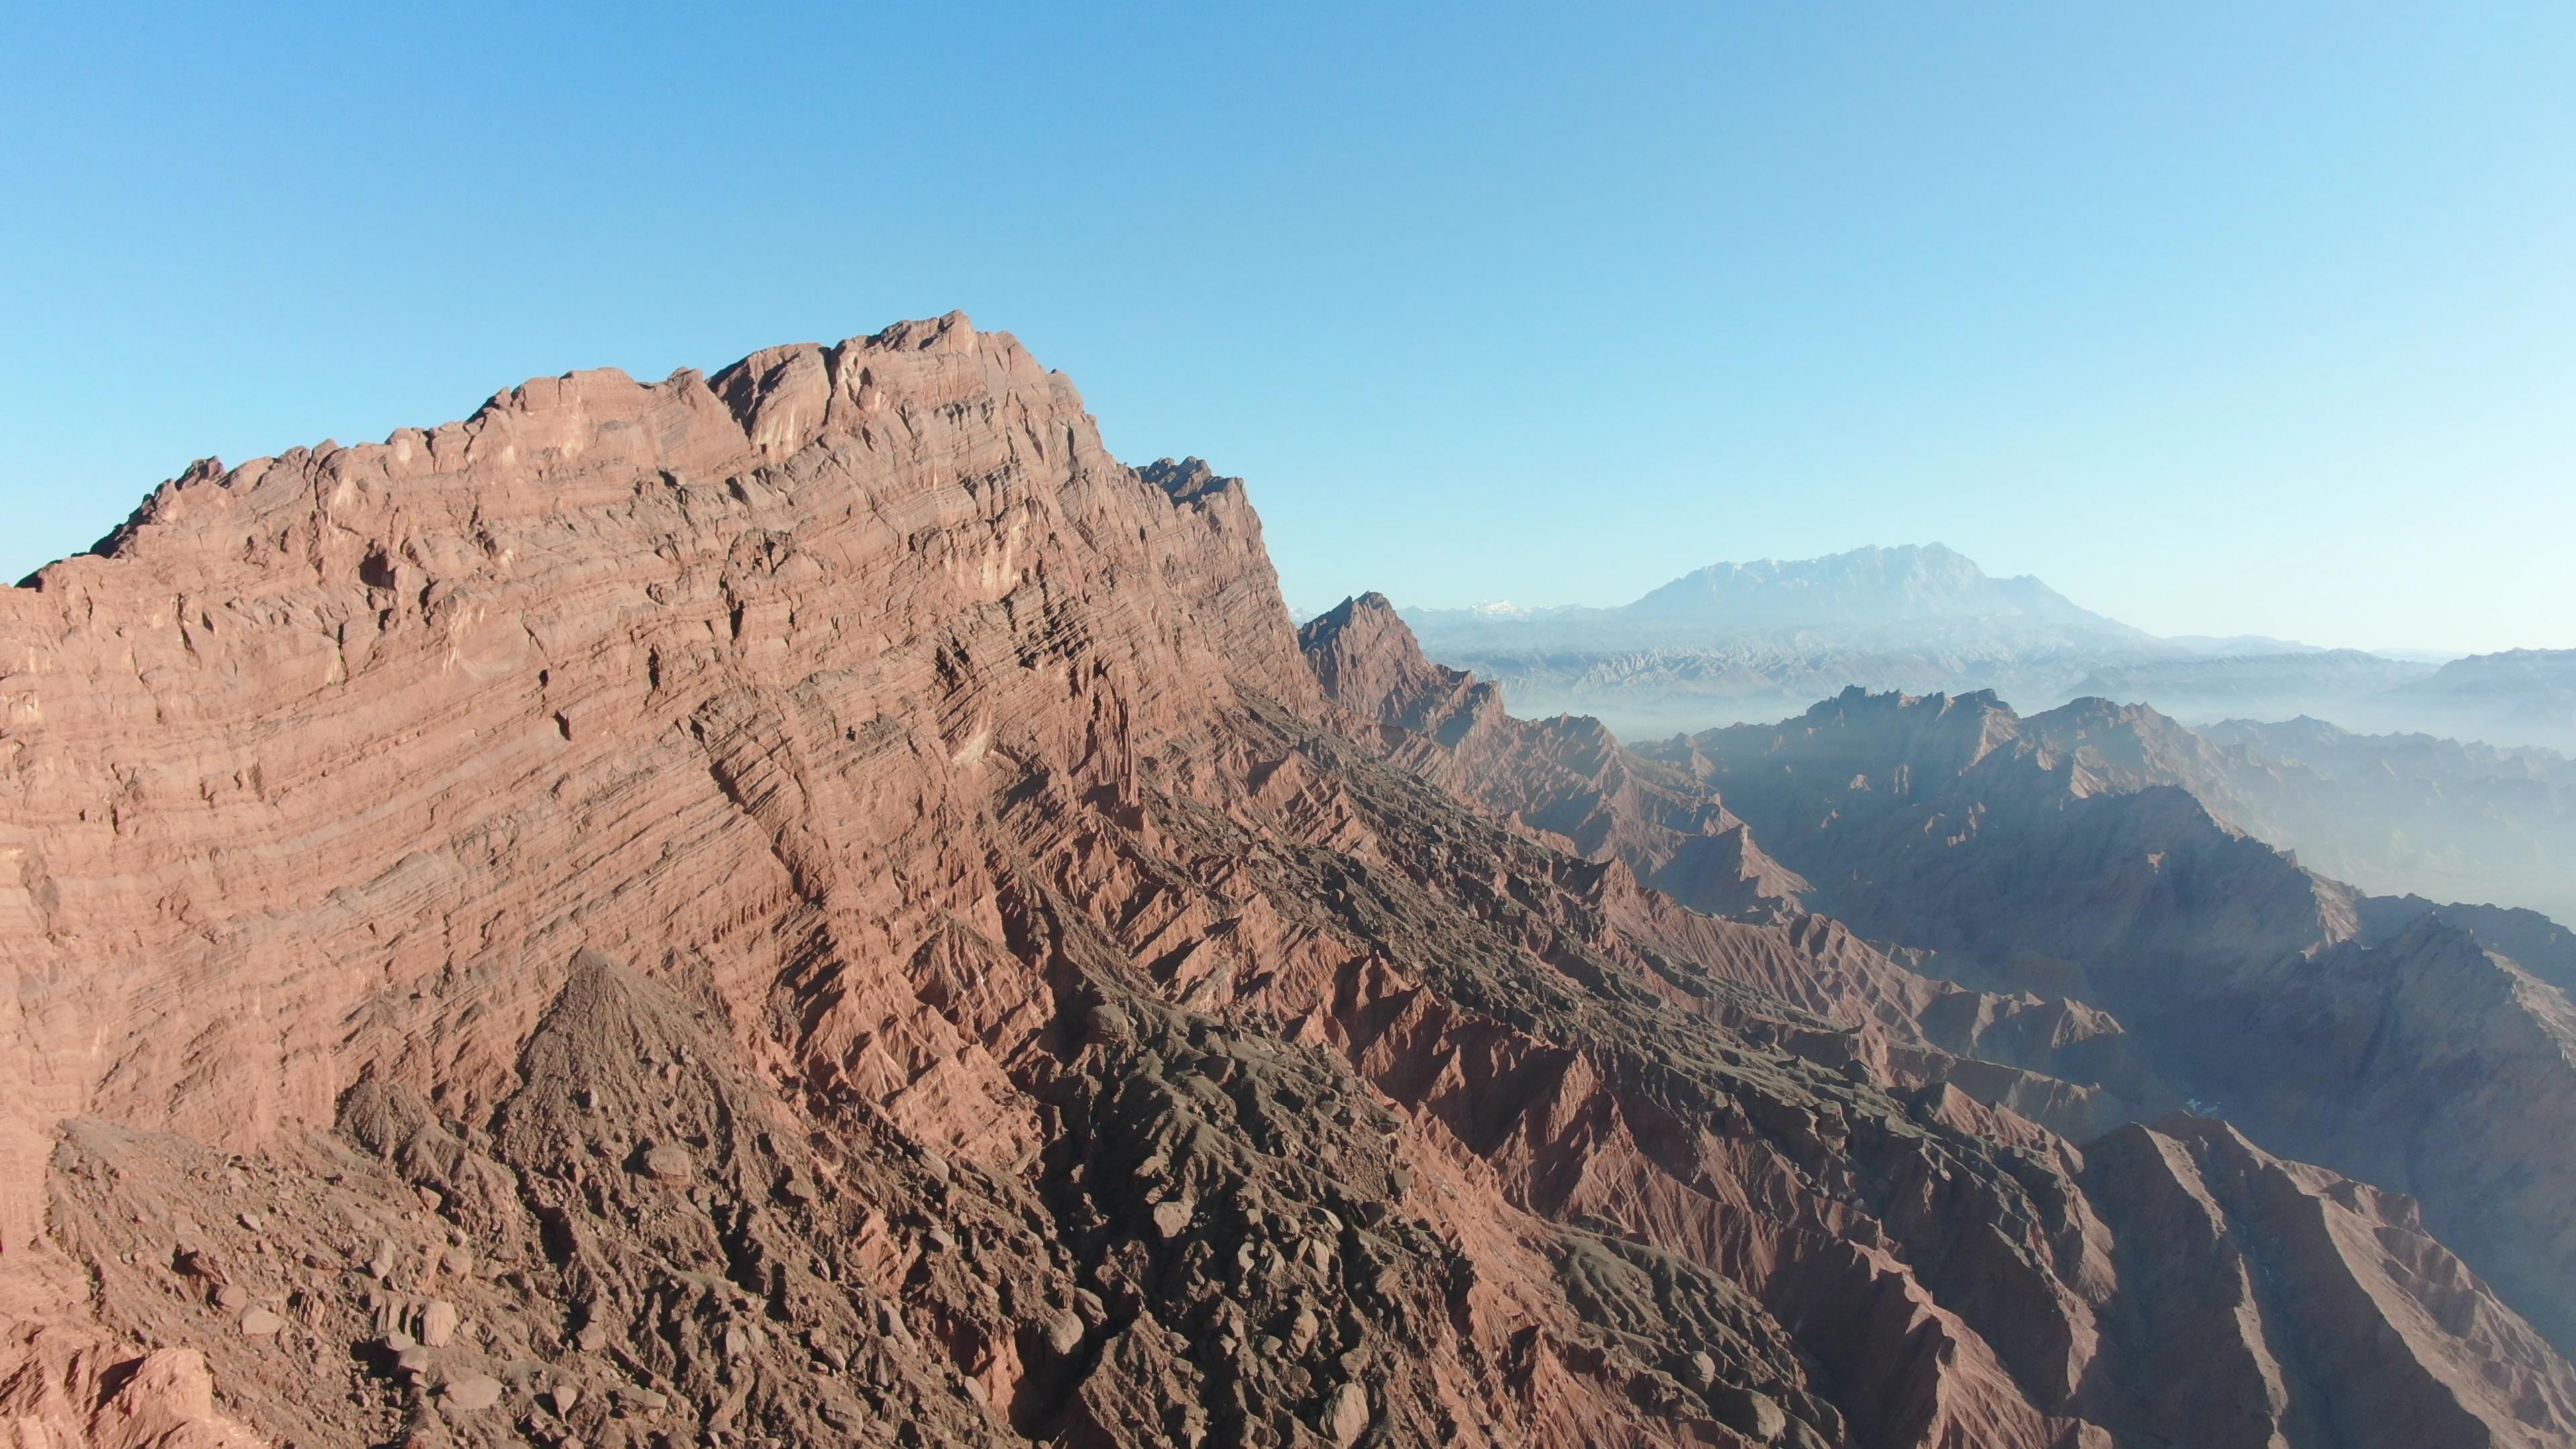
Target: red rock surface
[(813, 905)]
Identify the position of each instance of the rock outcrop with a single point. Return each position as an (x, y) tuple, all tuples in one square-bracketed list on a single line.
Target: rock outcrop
[(812, 905), (1566, 778)]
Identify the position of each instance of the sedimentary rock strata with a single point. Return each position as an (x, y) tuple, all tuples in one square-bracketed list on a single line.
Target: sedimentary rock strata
[(812, 905)]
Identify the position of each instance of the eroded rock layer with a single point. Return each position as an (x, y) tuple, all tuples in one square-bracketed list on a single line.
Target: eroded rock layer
[(812, 905)]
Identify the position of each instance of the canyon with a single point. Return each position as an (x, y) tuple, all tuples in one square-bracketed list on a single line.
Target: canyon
[(810, 904)]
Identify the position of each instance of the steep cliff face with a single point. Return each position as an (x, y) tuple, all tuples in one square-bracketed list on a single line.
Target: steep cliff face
[(332, 752), (811, 905), (1567, 777)]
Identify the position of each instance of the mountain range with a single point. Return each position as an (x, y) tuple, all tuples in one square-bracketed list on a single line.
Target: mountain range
[(1910, 593), (1734, 643), (2397, 813), (810, 904)]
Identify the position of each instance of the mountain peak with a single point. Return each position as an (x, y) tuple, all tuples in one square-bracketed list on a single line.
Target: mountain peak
[(1367, 660), (1871, 587)]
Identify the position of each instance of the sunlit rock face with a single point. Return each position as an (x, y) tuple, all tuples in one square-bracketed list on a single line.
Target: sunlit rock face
[(813, 905)]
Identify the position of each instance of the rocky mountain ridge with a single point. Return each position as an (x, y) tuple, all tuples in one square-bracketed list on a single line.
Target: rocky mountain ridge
[(2397, 1041), (2515, 697), (810, 904), (2334, 684), (2399, 814)]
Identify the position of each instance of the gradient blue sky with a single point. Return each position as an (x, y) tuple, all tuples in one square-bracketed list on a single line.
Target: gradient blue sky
[(2218, 317)]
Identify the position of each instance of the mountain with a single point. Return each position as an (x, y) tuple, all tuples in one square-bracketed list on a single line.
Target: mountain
[(1879, 594), (2402, 813), (1743, 643), (2052, 786), (2231, 644), (2518, 697), (810, 904), (2394, 1041), (2521, 697), (1865, 588), (2337, 684), (1759, 640)]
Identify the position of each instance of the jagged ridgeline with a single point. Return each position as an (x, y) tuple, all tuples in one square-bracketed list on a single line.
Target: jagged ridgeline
[(811, 905)]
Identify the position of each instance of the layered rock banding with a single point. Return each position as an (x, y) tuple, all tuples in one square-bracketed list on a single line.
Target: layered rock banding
[(812, 905)]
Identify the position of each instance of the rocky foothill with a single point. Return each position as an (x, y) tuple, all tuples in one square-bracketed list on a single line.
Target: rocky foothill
[(811, 905)]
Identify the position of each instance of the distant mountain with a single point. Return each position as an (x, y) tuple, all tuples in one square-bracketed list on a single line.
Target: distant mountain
[(2518, 697), (2338, 684), (1752, 641), (1647, 693), (1747, 642), (2213, 644), (1867, 588), (1911, 595), (2344, 754), (2401, 813)]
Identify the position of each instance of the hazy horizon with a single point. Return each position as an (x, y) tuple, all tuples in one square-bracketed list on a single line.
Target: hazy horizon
[(1305, 607), (2218, 321)]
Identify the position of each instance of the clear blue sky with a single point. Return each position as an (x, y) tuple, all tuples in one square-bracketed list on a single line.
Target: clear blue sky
[(2219, 317)]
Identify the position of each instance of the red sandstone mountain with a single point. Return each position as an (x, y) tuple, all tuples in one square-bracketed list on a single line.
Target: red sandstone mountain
[(812, 905)]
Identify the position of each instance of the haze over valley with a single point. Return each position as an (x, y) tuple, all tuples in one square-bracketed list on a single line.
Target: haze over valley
[(2446, 777)]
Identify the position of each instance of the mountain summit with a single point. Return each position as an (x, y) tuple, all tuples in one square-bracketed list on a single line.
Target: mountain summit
[(1865, 588), (1907, 595)]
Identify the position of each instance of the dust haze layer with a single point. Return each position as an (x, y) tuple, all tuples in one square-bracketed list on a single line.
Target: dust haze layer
[(2397, 774), (1741, 643)]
